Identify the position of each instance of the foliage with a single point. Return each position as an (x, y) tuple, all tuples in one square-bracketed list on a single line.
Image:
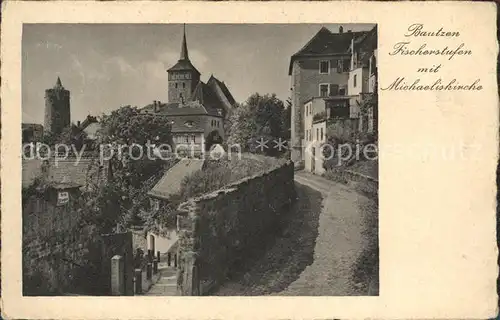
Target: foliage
[(49, 138), (131, 172), (220, 173), (74, 136), (31, 190), (102, 207), (127, 126), (288, 118), (336, 175), (260, 117)]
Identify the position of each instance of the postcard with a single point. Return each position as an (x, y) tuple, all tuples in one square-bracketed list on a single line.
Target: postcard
[(233, 160)]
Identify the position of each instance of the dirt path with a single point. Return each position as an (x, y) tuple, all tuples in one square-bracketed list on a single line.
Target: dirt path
[(339, 245), (320, 249)]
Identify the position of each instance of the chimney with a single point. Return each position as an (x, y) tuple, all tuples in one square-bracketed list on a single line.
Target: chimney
[(78, 124), (341, 29), (155, 106)]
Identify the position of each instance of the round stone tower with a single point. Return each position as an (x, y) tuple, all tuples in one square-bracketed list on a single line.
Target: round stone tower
[(57, 109)]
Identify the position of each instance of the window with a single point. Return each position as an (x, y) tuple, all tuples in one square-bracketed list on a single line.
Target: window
[(323, 90), (189, 124), (183, 85), (193, 140), (354, 81), (186, 138), (346, 66), (342, 91), (317, 134), (340, 65), (334, 89), (321, 134), (324, 66), (176, 85)]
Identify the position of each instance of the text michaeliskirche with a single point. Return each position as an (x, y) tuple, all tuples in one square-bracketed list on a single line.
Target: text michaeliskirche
[(448, 51)]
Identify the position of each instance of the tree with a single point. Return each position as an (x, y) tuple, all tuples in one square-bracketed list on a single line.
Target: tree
[(260, 117), (128, 134), (288, 117), (74, 136)]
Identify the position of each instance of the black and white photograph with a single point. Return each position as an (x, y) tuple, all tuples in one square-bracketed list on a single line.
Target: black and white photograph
[(200, 159)]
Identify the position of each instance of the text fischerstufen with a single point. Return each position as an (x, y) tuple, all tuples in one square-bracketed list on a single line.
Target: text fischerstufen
[(437, 85)]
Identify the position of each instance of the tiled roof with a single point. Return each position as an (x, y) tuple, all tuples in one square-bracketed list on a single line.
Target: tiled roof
[(368, 41), (91, 130), (214, 81), (170, 183), (326, 43), (208, 98), (176, 109), (31, 125), (65, 171), (187, 124), (183, 65)]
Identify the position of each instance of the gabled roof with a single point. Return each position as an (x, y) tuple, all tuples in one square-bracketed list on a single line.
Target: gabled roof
[(213, 81), (176, 109), (208, 98), (368, 41), (171, 181), (324, 43), (183, 65), (35, 126), (179, 124), (92, 129)]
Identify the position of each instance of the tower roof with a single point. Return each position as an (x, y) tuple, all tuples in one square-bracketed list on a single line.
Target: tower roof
[(58, 83), (184, 64), (326, 43), (184, 48)]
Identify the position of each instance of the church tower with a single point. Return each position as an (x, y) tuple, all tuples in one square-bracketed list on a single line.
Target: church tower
[(182, 77), (57, 109)]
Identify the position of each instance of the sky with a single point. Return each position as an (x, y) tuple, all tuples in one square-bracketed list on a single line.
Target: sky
[(106, 66)]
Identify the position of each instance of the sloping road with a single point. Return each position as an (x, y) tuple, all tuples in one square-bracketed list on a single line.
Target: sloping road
[(318, 253), (339, 244)]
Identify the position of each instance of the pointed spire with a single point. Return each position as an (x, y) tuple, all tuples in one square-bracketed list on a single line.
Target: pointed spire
[(184, 49), (58, 83)]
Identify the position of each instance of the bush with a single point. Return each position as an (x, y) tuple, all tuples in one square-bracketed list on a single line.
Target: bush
[(336, 175), (220, 173)]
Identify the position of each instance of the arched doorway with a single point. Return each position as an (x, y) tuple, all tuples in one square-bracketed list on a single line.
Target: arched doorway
[(212, 138)]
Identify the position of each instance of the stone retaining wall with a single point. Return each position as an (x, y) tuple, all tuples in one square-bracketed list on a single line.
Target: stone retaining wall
[(216, 228)]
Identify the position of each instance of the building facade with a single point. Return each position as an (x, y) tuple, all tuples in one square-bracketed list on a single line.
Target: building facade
[(331, 77), (196, 110), (57, 109)]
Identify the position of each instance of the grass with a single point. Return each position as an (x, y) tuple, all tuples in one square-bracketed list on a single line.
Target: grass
[(367, 265), (219, 173), (365, 167), (279, 259)]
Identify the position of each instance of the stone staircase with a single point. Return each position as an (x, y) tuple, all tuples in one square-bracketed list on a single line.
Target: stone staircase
[(166, 285)]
